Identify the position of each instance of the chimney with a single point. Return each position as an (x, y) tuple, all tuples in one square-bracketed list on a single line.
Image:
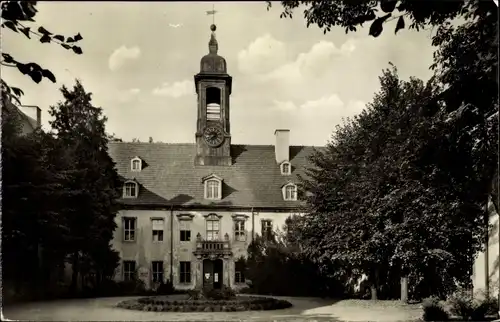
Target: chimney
[(33, 112), (282, 145)]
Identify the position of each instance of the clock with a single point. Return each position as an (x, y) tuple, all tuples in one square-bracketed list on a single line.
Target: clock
[(214, 136)]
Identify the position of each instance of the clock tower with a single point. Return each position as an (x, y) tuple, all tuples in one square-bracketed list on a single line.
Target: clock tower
[(213, 86)]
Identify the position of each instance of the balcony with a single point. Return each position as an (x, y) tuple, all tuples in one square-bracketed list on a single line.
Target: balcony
[(210, 248)]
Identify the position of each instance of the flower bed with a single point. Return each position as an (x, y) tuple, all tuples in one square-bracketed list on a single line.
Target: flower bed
[(240, 303)]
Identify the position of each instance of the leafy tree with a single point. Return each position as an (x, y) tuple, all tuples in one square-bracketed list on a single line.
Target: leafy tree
[(18, 16), (272, 263), (34, 225), (462, 117), (353, 14), (114, 138), (95, 184), (380, 194)]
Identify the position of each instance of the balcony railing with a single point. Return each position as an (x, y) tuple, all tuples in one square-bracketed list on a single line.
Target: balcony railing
[(212, 246)]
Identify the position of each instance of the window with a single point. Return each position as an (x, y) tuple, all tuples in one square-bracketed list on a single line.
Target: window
[(158, 225), (185, 272), (290, 192), (212, 191), (213, 99), (130, 190), (267, 229), (213, 227), (239, 272), (286, 168), (158, 272), (128, 229), (128, 270), (185, 230), (136, 164), (239, 230)]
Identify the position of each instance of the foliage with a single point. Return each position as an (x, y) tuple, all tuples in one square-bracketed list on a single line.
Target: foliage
[(351, 15), (379, 195), (165, 288), (79, 126), (434, 310), (18, 16), (463, 304), (60, 193), (272, 263), (209, 293), (33, 223), (241, 303)]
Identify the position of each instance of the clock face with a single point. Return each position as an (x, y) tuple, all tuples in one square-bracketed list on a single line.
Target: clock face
[(214, 136)]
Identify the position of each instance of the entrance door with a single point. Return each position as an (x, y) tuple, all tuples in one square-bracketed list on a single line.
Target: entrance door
[(218, 273), (212, 273)]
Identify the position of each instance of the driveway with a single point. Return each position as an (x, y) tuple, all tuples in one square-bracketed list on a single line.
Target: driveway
[(310, 309)]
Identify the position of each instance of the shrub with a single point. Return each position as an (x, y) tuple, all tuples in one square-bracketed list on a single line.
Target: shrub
[(462, 304), (240, 304), (484, 308), (433, 310), (165, 288)]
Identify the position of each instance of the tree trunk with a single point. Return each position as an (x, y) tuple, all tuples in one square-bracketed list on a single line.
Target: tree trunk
[(74, 274), (373, 291), (404, 289), (374, 284)]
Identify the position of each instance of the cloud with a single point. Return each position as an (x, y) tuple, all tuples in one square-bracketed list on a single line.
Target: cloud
[(127, 95), (315, 119), (121, 55), (312, 64), (262, 55), (326, 106), (175, 90), (134, 91), (269, 59)]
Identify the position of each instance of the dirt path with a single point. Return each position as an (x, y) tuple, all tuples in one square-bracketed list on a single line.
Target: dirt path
[(304, 309)]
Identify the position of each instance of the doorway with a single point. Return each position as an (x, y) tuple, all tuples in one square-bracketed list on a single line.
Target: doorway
[(212, 273)]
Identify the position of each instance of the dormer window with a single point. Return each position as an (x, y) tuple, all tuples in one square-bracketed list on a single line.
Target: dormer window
[(290, 192), (136, 164), (286, 168), (130, 189), (213, 187)]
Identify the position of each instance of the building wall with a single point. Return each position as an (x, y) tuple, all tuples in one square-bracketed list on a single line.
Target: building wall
[(488, 265), (144, 250)]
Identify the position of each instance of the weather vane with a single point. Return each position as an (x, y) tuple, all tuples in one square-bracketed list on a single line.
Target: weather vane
[(212, 12)]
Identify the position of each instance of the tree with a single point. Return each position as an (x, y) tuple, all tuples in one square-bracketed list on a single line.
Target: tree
[(353, 14), (17, 16), (464, 114), (34, 223), (380, 195), (95, 184)]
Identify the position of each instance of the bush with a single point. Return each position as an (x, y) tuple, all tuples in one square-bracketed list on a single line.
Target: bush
[(433, 310), (165, 288), (231, 305), (485, 308), (462, 304)]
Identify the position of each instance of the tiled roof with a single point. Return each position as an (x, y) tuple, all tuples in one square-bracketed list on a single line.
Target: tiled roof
[(169, 176)]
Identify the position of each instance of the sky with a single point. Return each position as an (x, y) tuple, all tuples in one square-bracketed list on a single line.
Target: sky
[(140, 69)]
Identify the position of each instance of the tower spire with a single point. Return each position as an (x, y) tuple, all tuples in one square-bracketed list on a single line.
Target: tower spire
[(213, 45)]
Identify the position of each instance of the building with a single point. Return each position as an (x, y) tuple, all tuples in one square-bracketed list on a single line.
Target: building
[(29, 115), (191, 210), (485, 272)]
